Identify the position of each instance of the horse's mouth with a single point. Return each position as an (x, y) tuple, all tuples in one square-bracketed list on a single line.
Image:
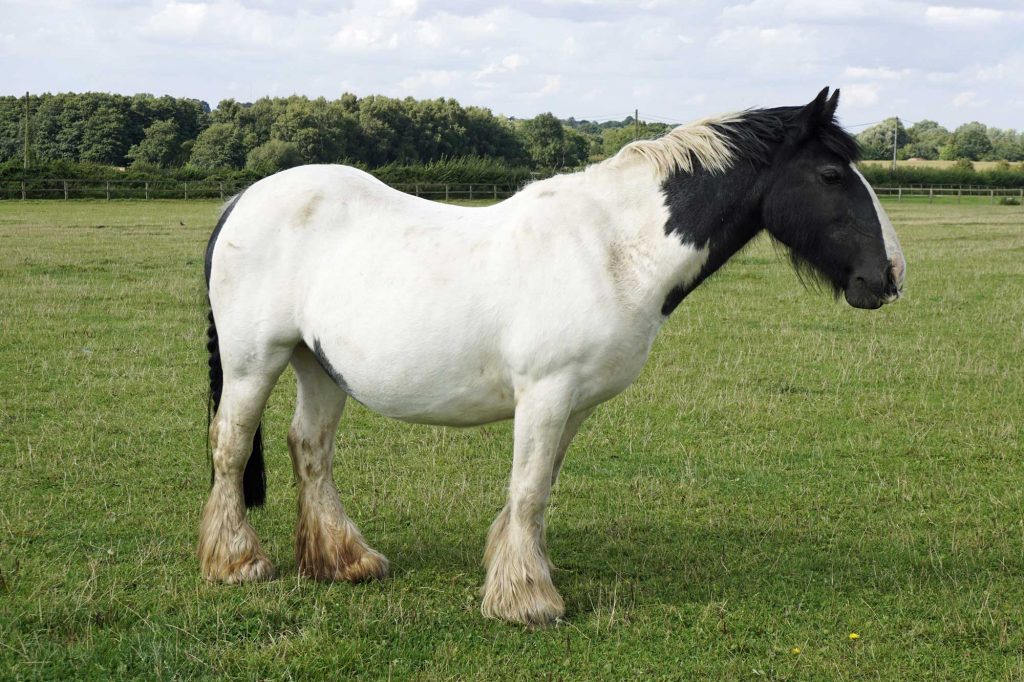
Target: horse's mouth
[(859, 295)]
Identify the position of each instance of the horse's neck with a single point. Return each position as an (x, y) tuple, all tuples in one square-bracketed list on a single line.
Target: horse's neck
[(670, 235), (721, 212)]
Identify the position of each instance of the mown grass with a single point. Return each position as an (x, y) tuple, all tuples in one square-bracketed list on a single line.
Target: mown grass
[(787, 471)]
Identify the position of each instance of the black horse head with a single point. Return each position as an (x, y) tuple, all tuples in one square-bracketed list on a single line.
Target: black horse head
[(818, 204), (792, 172)]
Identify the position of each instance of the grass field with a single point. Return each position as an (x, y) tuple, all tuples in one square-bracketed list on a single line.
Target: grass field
[(786, 472)]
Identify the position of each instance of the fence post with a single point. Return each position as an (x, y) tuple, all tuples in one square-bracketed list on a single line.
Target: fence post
[(65, 189), (108, 190), (899, 193), (23, 190), (959, 191), (147, 190), (416, 189), (471, 191), (220, 188), (931, 192), (186, 191), (495, 192), (446, 192), (991, 196)]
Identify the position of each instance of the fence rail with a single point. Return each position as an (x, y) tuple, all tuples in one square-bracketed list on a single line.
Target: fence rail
[(78, 188), (931, 192)]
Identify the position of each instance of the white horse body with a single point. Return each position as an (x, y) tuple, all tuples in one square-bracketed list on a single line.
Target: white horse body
[(439, 314)]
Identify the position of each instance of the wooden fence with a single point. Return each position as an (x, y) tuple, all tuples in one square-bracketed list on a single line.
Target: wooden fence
[(931, 192), (78, 188), (56, 188)]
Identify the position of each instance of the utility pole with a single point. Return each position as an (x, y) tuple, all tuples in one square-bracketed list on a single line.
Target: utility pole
[(895, 135), (28, 132), (636, 125)]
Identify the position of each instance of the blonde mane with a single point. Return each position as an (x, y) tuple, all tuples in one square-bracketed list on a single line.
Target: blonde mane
[(685, 147)]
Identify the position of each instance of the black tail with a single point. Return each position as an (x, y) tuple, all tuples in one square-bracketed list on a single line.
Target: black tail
[(254, 480)]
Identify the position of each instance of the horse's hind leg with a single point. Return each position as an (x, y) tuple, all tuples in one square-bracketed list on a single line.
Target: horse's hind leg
[(328, 546), (229, 550)]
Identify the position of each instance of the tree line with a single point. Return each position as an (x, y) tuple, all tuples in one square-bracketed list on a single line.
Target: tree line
[(400, 140), (928, 140), (144, 132)]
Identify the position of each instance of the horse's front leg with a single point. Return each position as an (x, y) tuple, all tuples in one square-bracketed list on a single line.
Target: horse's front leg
[(518, 587)]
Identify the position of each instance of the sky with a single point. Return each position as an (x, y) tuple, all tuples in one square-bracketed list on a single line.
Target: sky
[(674, 60)]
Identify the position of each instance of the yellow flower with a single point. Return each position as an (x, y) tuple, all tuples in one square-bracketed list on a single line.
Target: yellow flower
[(854, 635), (795, 650)]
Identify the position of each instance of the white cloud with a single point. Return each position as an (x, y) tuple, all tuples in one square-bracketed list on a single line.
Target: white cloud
[(860, 95), (364, 38), (429, 81), (226, 21), (876, 73), (966, 17), (552, 84), (789, 51), (969, 99), (811, 11), (508, 63)]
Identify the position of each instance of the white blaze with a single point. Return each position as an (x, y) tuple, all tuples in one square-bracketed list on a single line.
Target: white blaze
[(892, 244)]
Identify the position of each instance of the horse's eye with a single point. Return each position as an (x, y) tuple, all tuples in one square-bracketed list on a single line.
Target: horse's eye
[(831, 177)]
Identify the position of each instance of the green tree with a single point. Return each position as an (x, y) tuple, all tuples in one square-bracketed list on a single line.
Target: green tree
[(273, 156), (614, 139), (876, 141), (160, 145), (388, 131), (927, 138), (104, 134), (970, 141), (545, 138), (322, 131), (491, 136), (219, 146), (1006, 144)]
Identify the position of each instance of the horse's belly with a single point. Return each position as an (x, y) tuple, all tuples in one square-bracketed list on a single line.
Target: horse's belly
[(449, 398)]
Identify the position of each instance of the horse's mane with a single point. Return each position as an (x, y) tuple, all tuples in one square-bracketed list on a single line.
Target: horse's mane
[(716, 143)]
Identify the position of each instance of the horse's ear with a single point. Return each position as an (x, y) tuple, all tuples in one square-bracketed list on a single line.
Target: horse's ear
[(812, 115), (831, 106)]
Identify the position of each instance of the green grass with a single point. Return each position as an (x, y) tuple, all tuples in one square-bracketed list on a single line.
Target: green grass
[(786, 471)]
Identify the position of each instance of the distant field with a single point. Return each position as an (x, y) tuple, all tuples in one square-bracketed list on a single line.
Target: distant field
[(787, 472), (923, 163)]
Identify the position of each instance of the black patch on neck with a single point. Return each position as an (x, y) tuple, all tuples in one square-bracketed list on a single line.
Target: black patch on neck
[(208, 259), (720, 211), (335, 375)]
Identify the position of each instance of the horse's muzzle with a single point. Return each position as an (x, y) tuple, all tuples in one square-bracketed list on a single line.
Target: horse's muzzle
[(870, 293)]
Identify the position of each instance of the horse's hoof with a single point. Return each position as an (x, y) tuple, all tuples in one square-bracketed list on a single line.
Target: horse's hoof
[(252, 570), (529, 604), (257, 570), (372, 565)]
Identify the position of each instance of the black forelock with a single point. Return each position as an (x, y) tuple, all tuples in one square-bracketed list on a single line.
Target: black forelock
[(756, 132)]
